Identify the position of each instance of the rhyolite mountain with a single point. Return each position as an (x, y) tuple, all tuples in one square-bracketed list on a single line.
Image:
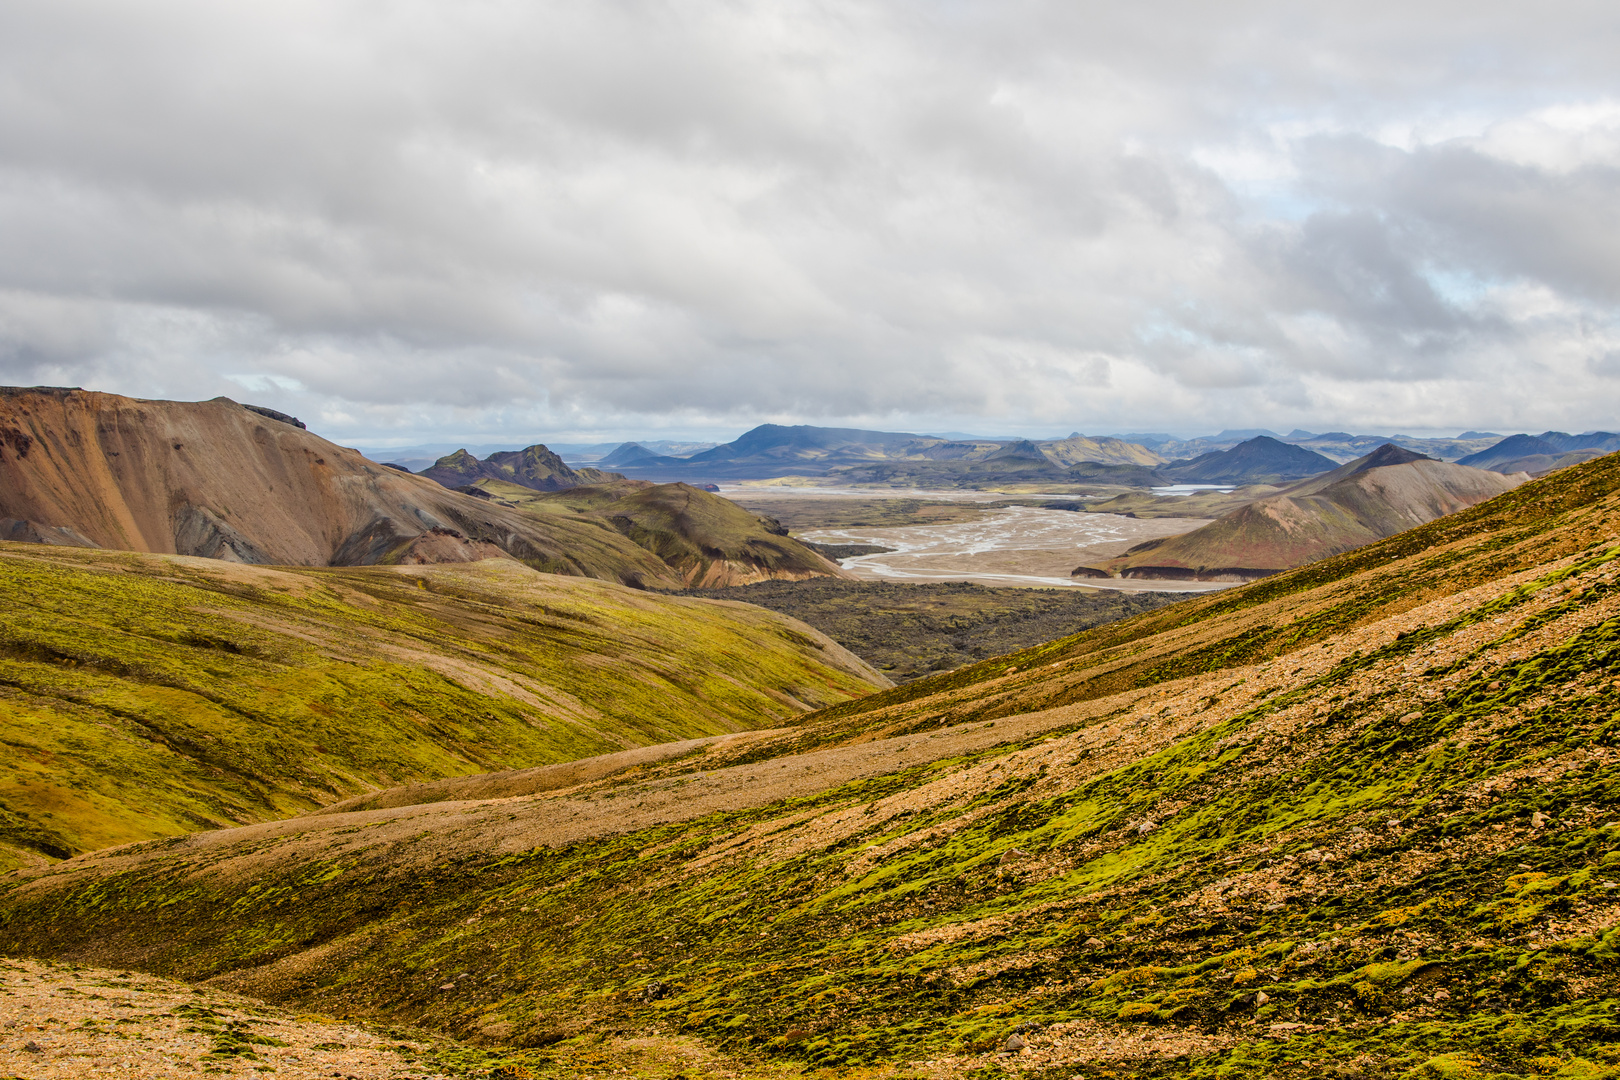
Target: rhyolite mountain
[(532, 467), (1383, 493), (219, 480), (1355, 820)]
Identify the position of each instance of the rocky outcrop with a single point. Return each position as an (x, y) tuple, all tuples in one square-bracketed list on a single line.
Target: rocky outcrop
[(533, 467)]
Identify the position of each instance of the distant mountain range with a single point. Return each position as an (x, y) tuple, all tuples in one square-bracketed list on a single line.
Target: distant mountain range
[(1544, 453), (1134, 460), (1386, 492), (884, 457), (900, 458)]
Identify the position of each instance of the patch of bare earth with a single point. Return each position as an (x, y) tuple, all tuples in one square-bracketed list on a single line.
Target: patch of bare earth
[(58, 1020)]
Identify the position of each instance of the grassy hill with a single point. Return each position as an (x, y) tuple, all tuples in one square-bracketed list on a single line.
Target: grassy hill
[(709, 542), (1354, 820), (147, 696)]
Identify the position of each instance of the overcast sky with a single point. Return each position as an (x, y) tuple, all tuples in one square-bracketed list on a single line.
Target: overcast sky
[(476, 220)]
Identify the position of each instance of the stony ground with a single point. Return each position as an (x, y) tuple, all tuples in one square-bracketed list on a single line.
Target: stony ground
[(59, 1020)]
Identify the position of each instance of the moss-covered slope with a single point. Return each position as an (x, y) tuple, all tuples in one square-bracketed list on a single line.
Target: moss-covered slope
[(1355, 820), (144, 696), (708, 541)]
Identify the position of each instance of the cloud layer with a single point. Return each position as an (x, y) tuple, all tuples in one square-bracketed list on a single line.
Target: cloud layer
[(418, 218)]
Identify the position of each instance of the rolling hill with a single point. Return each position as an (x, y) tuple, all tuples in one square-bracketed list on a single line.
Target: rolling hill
[(148, 696), (1387, 491), (1355, 820), (220, 480), (708, 541)]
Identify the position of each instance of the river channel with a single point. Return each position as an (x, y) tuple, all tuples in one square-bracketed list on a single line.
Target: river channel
[(1015, 545)]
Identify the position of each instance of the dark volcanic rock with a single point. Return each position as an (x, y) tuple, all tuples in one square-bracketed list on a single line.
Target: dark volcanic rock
[(533, 467)]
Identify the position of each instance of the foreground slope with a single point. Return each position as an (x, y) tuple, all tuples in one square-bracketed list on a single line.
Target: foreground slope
[(146, 696), (1356, 820), (1370, 498), (221, 480)]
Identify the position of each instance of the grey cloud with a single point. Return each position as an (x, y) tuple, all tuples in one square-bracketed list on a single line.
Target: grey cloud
[(435, 214)]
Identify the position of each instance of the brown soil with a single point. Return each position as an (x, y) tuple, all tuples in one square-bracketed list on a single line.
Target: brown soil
[(60, 1020)]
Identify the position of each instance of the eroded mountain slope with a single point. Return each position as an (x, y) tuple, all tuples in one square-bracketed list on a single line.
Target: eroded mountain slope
[(147, 695), (1356, 819)]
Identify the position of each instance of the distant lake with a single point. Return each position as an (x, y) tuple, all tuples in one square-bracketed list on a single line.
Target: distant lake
[(1191, 489)]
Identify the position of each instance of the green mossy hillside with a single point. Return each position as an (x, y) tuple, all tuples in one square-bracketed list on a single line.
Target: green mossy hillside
[(707, 540), (146, 696)]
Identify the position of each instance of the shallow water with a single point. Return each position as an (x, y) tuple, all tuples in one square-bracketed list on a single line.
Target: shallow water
[(1019, 545), (1190, 489)]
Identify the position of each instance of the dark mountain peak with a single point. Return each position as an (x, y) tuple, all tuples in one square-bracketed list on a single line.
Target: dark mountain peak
[(1479, 435), (1023, 448), (1256, 459), (1509, 449), (531, 458), (460, 459), (628, 454), (1389, 454), (535, 467)]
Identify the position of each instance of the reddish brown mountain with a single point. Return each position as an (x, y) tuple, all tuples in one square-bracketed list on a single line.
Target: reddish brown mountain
[(218, 479)]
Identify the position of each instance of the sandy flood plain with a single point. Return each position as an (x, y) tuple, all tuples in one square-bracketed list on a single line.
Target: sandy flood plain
[(1017, 545)]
